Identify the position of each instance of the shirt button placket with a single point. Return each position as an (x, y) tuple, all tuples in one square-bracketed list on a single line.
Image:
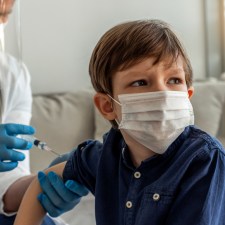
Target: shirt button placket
[(129, 204), (129, 213)]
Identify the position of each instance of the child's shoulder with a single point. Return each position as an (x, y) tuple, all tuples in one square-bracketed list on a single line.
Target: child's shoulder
[(204, 140)]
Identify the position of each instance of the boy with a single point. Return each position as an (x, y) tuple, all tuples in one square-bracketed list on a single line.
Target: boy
[(153, 167)]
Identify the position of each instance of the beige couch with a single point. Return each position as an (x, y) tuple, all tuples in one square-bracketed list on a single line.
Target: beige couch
[(64, 120)]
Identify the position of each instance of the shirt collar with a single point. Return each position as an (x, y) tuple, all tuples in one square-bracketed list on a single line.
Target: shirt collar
[(171, 149)]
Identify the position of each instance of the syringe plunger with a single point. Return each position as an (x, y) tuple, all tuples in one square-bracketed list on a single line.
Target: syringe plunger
[(39, 144)]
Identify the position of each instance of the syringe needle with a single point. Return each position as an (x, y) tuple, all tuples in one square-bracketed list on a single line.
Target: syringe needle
[(50, 150), (55, 153)]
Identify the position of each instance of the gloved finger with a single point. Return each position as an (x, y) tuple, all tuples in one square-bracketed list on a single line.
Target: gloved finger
[(17, 143), (48, 206), (15, 129), (7, 166), (12, 155), (49, 190), (51, 208), (44, 182), (60, 188), (77, 188)]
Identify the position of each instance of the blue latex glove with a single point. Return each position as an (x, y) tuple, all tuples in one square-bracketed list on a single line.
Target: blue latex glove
[(8, 142), (58, 197)]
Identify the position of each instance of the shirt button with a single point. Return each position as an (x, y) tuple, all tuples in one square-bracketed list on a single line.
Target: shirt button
[(156, 197), (137, 174), (128, 204)]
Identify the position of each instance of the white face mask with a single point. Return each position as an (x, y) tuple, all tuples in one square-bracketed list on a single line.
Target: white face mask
[(155, 119)]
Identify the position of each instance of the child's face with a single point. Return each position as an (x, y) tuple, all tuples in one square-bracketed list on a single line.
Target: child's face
[(143, 77)]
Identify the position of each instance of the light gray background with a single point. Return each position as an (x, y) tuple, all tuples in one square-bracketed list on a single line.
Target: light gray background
[(58, 36)]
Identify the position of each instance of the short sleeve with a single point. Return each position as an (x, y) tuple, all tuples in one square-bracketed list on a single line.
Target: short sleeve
[(82, 165)]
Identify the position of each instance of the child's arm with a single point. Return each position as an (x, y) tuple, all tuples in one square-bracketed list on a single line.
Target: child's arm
[(31, 211)]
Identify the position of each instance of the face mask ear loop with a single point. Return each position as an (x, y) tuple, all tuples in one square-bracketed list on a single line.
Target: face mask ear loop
[(114, 99), (112, 106)]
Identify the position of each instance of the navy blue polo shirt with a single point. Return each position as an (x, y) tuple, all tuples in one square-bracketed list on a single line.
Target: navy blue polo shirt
[(183, 186)]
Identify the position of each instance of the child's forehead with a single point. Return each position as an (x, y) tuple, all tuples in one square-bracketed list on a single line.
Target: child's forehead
[(171, 62), (151, 61)]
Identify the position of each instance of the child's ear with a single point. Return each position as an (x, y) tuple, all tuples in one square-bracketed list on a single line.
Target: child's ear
[(190, 92), (104, 105)]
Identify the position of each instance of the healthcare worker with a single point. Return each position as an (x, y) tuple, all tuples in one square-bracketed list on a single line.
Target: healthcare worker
[(15, 109)]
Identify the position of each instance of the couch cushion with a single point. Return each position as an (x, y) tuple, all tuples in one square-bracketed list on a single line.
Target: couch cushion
[(208, 104), (63, 121), (222, 140)]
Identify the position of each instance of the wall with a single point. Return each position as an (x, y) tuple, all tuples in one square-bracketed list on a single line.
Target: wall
[(214, 21), (58, 35)]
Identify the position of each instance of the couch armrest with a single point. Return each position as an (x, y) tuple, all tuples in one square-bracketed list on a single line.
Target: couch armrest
[(209, 107)]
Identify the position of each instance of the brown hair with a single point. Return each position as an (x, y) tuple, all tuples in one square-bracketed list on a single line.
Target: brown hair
[(127, 44)]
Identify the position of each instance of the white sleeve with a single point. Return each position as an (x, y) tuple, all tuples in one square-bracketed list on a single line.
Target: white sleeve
[(17, 103)]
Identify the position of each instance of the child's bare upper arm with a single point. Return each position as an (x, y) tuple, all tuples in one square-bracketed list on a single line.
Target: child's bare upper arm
[(31, 211)]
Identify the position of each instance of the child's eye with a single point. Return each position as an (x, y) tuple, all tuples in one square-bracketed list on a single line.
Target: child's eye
[(175, 81), (139, 83)]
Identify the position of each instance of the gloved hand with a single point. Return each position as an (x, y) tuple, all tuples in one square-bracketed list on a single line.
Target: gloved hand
[(58, 197), (9, 142)]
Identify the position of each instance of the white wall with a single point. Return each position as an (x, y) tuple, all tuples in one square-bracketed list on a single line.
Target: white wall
[(58, 35)]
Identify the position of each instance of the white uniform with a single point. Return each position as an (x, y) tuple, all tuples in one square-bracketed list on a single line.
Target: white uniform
[(16, 108)]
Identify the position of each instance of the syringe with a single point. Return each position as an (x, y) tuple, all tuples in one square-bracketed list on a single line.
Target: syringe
[(39, 144)]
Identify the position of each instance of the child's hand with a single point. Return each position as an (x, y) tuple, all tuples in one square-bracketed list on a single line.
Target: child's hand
[(58, 197)]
